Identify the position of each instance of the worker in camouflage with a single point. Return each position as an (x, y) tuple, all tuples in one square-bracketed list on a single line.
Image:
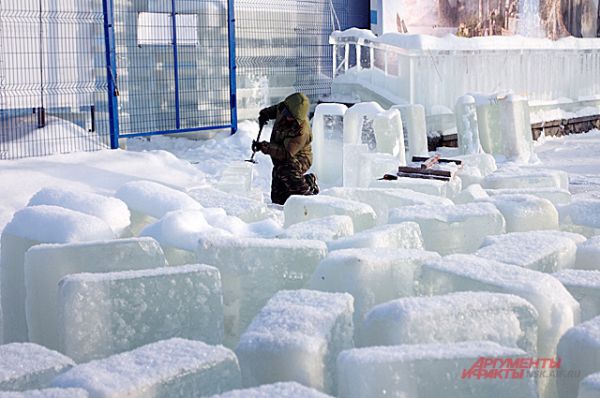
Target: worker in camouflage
[(289, 148)]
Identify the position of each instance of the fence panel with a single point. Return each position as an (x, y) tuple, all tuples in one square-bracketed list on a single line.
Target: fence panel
[(172, 66), (52, 78)]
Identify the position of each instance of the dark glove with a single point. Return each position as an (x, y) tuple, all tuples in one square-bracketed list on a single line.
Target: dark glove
[(263, 118), (262, 146)]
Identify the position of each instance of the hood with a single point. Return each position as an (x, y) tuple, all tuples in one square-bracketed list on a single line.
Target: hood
[(298, 104)]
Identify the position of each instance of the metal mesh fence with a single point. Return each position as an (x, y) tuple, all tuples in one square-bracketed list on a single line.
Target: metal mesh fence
[(52, 78), (172, 65)]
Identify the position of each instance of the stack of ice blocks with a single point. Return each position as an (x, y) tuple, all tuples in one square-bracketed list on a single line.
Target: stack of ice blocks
[(371, 276), (46, 265), (174, 368), (29, 227), (253, 269), (297, 336), (453, 229), (508, 320), (110, 313), (427, 371)]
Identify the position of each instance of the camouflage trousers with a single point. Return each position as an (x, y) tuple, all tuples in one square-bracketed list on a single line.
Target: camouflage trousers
[(289, 179)]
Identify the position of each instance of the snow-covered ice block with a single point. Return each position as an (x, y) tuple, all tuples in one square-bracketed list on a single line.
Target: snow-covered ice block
[(371, 276), (175, 368), (506, 319), (27, 366), (46, 265), (579, 350), (453, 229), (358, 123), (328, 143), (589, 387), (584, 286), (526, 177), (148, 200), (405, 235), (557, 196), (278, 390), (325, 229), (414, 128), (382, 200), (373, 166), (582, 213), (47, 393), (247, 209), (110, 313), (465, 111), (254, 269), (297, 336), (446, 189), (387, 127), (473, 193), (112, 210), (557, 309), (427, 371), (302, 208), (526, 212), (544, 251), (29, 227), (484, 163), (588, 254)]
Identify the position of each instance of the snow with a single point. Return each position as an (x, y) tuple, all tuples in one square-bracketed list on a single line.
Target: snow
[(405, 235), (247, 209), (46, 265), (297, 336), (47, 393), (324, 229), (279, 390), (588, 254), (109, 313), (26, 366), (584, 286), (174, 368), (555, 195)]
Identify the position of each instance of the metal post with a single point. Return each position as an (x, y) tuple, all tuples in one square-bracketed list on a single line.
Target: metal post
[(111, 72), (175, 64), (232, 65)]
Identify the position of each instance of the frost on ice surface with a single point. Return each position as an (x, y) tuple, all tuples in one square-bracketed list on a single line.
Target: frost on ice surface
[(46, 265), (175, 368), (405, 235), (253, 269), (526, 177), (453, 229), (426, 371), (505, 319), (278, 390), (371, 276), (113, 211), (31, 226), (248, 210), (303, 208), (27, 366), (544, 251), (297, 336), (579, 350), (557, 309), (582, 212), (584, 286), (47, 393), (526, 212), (324, 229), (588, 254), (382, 200), (109, 313)]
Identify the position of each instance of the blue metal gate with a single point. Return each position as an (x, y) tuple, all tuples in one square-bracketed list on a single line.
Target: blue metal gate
[(170, 66)]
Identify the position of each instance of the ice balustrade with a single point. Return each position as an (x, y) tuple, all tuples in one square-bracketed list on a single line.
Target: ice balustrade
[(431, 71)]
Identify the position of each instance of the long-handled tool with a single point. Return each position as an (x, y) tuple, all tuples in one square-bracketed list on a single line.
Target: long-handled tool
[(257, 140)]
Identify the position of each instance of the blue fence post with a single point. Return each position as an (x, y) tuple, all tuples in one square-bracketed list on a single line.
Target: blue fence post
[(176, 65), (111, 72), (232, 66)]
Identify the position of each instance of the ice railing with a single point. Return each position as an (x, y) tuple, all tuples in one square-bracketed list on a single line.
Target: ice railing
[(436, 71)]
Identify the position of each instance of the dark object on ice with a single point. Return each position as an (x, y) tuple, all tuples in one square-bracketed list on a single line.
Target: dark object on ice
[(289, 148), (426, 169)]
